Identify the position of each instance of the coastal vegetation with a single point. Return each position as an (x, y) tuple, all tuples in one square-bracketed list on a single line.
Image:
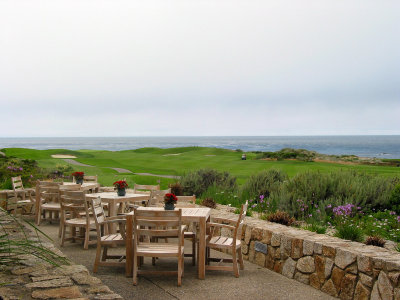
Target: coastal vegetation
[(355, 197)]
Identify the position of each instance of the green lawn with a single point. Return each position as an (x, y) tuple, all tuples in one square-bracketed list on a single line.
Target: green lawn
[(166, 162)]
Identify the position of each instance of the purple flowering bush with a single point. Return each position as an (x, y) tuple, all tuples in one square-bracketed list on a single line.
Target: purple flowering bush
[(12, 167)]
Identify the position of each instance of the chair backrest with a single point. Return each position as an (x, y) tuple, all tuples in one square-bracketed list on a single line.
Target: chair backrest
[(186, 201), (47, 191), (91, 179), (69, 187), (98, 211), (239, 223), (145, 189), (17, 183), (74, 201), (157, 223), (157, 197)]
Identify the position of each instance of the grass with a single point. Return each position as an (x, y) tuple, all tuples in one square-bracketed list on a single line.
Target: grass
[(162, 162)]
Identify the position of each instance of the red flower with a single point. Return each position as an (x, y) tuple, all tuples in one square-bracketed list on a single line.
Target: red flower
[(170, 198), (120, 184), (78, 175)]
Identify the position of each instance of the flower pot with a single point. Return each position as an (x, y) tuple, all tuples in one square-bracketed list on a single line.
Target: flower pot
[(79, 181), (169, 206), (121, 192)]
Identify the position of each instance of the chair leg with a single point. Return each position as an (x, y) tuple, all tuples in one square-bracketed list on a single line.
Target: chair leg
[(193, 251), (240, 256), (63, 235), (180, 270), (87, 231), (97, 259), (105, 250), (235, 264), (135, 267)]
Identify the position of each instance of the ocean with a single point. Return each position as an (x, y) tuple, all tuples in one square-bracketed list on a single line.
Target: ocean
[(380, 146)]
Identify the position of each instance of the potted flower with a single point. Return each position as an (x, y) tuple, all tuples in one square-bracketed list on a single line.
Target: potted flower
[(78, 177), (170, 201), (120, 186)]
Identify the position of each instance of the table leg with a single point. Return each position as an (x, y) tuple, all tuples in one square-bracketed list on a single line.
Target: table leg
[(112, 211), (202, 249), (129, 246)]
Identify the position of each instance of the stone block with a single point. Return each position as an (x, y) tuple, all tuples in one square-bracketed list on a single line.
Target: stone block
[(72, 269), (328, 251), (257, 234), (286, 246), (375, 293), (318, 248), (344, 258), (247, 235), (98, 289), (384, 286), (314, 281), (329, 288), (107, 297), (278, 267), (364, 264), (260, 247), (303, 278), (308, 247), (288, 268), (245, 248), (394, 277), (267, 235), (260, 259), (297, 248), (348, 286), (396, 294), (320, 267), (306, 264), (366, 280), (57, 293), (328, 267), (337, 276), (352, 269), (275, 240), (361, 292)]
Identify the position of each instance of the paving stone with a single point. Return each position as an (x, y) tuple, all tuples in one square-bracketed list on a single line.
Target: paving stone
[(98, 289), (82, 278), (50, 283), (108, 297), (72, 269), (48, 277), (63, 292)]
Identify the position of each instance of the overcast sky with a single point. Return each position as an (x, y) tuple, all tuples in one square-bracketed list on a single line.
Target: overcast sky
[(196, 67)]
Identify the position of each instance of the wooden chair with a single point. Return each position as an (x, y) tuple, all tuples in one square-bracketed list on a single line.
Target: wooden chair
[(104, 238), (216, 241), (19, 198), (152, 223), (90, 179), (189, 201), (73, 203), (157, 197), (145, 189), (47, 200)]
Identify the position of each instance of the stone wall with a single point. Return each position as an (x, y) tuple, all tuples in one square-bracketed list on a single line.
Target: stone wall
[(341, 268), (33, 278)]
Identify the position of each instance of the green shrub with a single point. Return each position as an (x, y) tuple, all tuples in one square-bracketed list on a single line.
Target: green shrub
[(349, 232), (263, 183), (12, 167), (197, 182), (394, 200), (335, 188), (321, 229)]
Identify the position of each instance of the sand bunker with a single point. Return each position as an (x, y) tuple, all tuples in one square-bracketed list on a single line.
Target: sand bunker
[(62, 156), (172, 154)]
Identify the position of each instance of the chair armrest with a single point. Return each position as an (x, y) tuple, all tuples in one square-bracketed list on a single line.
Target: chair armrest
[(210, 224), (114, 220), (183, 228)]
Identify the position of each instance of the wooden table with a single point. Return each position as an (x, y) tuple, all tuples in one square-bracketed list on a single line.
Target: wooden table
[(94, 186), (198, 215), (113, 199)]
